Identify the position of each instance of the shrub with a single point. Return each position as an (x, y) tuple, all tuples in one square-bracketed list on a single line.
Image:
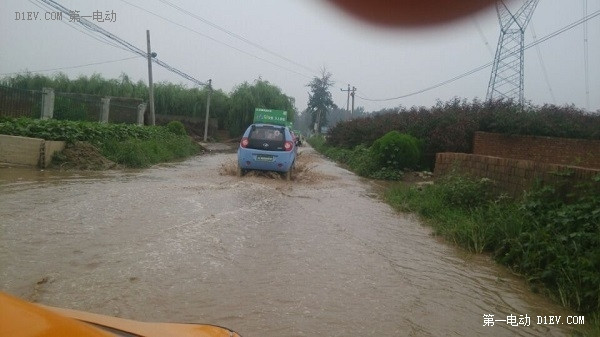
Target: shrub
[(396, 151), (177, 128), (362, 161)]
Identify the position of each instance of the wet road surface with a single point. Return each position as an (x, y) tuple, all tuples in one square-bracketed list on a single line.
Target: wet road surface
[(187, 242)]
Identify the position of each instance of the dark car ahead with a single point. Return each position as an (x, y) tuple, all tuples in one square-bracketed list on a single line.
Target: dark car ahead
[(267, 147)]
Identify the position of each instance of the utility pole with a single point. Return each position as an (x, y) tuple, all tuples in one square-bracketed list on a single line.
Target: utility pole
[(150, 85), (347, 99), (207, 110), (352, 94)]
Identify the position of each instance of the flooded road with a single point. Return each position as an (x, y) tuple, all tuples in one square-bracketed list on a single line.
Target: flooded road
[(318, 256)]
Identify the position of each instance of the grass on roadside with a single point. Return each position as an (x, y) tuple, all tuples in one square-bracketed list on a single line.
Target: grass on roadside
[(550, 236), (140, 153)]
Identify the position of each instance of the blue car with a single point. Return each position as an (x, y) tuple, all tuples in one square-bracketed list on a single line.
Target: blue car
[(267, 147)]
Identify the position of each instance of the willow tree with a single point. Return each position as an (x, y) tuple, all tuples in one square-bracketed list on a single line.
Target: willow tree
[(319, 99), (261, 94)]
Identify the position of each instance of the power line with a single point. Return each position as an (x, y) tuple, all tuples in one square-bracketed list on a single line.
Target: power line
[(215, 40), (566, 28), (93, 27), (483, 38), (545, 38), (585, 56), (456, 78), (71, 67), (230, 33), (71, 25), (542, 64)]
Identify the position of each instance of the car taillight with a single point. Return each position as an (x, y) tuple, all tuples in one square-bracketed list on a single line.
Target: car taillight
[(288, 146), (244, 142)]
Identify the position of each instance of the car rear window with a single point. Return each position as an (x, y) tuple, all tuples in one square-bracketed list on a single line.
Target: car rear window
[(266, 137)]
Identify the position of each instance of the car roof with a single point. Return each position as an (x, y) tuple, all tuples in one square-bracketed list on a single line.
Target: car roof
[(270, 125), (266, 124)]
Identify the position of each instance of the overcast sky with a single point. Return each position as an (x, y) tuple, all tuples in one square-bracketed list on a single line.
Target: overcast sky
[(307, 35)]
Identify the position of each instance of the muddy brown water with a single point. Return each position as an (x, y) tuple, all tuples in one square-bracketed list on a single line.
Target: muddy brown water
[(188, 242)]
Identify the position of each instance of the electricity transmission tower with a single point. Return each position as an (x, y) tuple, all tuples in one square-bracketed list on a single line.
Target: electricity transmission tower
[(506, 80)]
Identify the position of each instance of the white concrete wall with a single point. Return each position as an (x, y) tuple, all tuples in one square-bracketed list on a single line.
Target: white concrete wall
[(28, 151)]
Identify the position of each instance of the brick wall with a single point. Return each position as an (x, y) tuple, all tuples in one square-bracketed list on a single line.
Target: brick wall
[(565, 151), (511, 175)]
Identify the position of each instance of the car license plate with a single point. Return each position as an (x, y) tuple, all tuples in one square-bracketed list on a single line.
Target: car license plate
[(264, 157)]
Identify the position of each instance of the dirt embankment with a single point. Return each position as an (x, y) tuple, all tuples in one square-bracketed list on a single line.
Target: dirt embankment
[(81, 156)]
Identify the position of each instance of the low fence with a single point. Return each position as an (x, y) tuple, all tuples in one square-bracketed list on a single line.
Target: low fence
[(77, 107), (510, 175), (20, 103), (48, 104)]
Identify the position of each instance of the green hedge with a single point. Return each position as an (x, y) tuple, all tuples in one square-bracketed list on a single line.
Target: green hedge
[(449, 127)]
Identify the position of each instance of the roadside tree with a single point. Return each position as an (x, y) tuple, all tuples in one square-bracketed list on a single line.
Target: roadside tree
[(320, 100)]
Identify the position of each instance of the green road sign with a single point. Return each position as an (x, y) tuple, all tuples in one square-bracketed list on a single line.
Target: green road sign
[(270, 116)]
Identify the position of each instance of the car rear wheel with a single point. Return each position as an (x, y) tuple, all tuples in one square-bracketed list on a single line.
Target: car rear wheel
[(240, 171)]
